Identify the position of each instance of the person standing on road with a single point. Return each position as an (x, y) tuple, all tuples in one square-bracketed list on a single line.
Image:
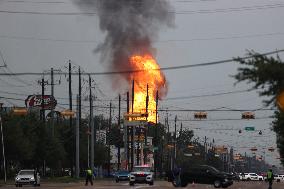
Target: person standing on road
[(270, 178), (89, 177)]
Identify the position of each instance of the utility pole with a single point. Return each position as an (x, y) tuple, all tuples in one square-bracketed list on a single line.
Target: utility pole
[(92, 127), (80, 97), (127, 133), (132, 129), (156, 135), (109, 133), (3, 146), (119, 134), (52, 94), (146, 126), (70, 119), (42, 115), (77, 140), (175, 139), (205, 148)]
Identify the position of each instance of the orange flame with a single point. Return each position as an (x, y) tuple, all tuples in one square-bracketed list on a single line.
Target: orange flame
[(153, 77)]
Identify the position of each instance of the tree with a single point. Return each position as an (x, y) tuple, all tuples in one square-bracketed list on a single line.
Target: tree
[(184, 138), (267, 74)]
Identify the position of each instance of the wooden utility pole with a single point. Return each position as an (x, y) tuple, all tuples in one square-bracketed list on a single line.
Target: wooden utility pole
[(93, 130), (156, 135), (146, 126), (109, 133), (132, 128), (42, 83), (80, 97), (52, 94), (70, 119), (175, 139), (127, 133), (77, 165), (119, 134)]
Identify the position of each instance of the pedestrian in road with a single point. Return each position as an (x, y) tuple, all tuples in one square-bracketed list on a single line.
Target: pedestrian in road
[(270, 178), (89, 176)]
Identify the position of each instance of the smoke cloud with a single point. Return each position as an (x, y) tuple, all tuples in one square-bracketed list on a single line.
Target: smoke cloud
[(130, 27)]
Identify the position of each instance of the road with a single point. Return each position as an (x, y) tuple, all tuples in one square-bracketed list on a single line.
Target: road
[(157, 185)]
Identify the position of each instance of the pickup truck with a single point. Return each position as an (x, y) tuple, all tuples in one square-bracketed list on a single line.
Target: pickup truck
[(202, 174)]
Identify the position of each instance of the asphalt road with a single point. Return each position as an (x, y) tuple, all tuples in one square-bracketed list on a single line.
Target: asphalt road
[(157, 185)]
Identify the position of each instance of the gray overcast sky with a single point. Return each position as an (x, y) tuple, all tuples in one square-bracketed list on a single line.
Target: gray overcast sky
[(210, 30)]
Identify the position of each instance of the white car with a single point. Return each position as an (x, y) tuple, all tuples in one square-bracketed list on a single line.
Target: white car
[(260, 178), (279, 178), (141, 174), (252, 176), (243, 176), (27, 177)]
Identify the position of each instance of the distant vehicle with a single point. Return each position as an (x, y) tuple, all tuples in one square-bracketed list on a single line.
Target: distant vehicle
[(122, 175), (203, 174), (235, 176), (279, 178), (141, 174), (252, 176), (260, 177), (243, 176), (27, 177)]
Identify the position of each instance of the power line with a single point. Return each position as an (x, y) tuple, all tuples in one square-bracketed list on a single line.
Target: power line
[(165, 68), (205, 11), (159, 41), (217, 110), (207, 95), (208, 120)]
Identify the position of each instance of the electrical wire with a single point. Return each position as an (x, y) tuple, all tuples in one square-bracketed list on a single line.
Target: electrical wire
[(155, 41), (205, 11), (164, 68)]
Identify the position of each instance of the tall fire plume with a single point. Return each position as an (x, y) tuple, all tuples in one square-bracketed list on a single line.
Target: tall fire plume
[(130, 27)]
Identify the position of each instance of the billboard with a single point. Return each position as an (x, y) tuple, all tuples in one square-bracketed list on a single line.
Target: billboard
[(49, 101)]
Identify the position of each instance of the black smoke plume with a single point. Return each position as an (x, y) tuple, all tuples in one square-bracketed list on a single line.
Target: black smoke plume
[(130, 27)]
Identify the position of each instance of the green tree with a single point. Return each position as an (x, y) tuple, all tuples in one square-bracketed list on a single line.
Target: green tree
[(267, 74)]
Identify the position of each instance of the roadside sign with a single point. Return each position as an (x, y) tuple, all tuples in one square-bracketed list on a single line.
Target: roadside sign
[(249, 128), (49, 101)]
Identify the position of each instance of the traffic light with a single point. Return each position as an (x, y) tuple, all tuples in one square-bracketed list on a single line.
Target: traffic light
[(248, 115), (240, 131), (260, 132), (200, 115)]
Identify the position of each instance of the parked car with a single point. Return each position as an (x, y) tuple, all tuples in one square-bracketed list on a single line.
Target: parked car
[(141, 174), (252, 176), (243, 176), (235, 176), (282, 178), (260, 177), (202, 174), (122, 175), (279, 178), (27, 177)]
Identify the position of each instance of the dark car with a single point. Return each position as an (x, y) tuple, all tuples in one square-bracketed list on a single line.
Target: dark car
[(122, 175), (202, 174)]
